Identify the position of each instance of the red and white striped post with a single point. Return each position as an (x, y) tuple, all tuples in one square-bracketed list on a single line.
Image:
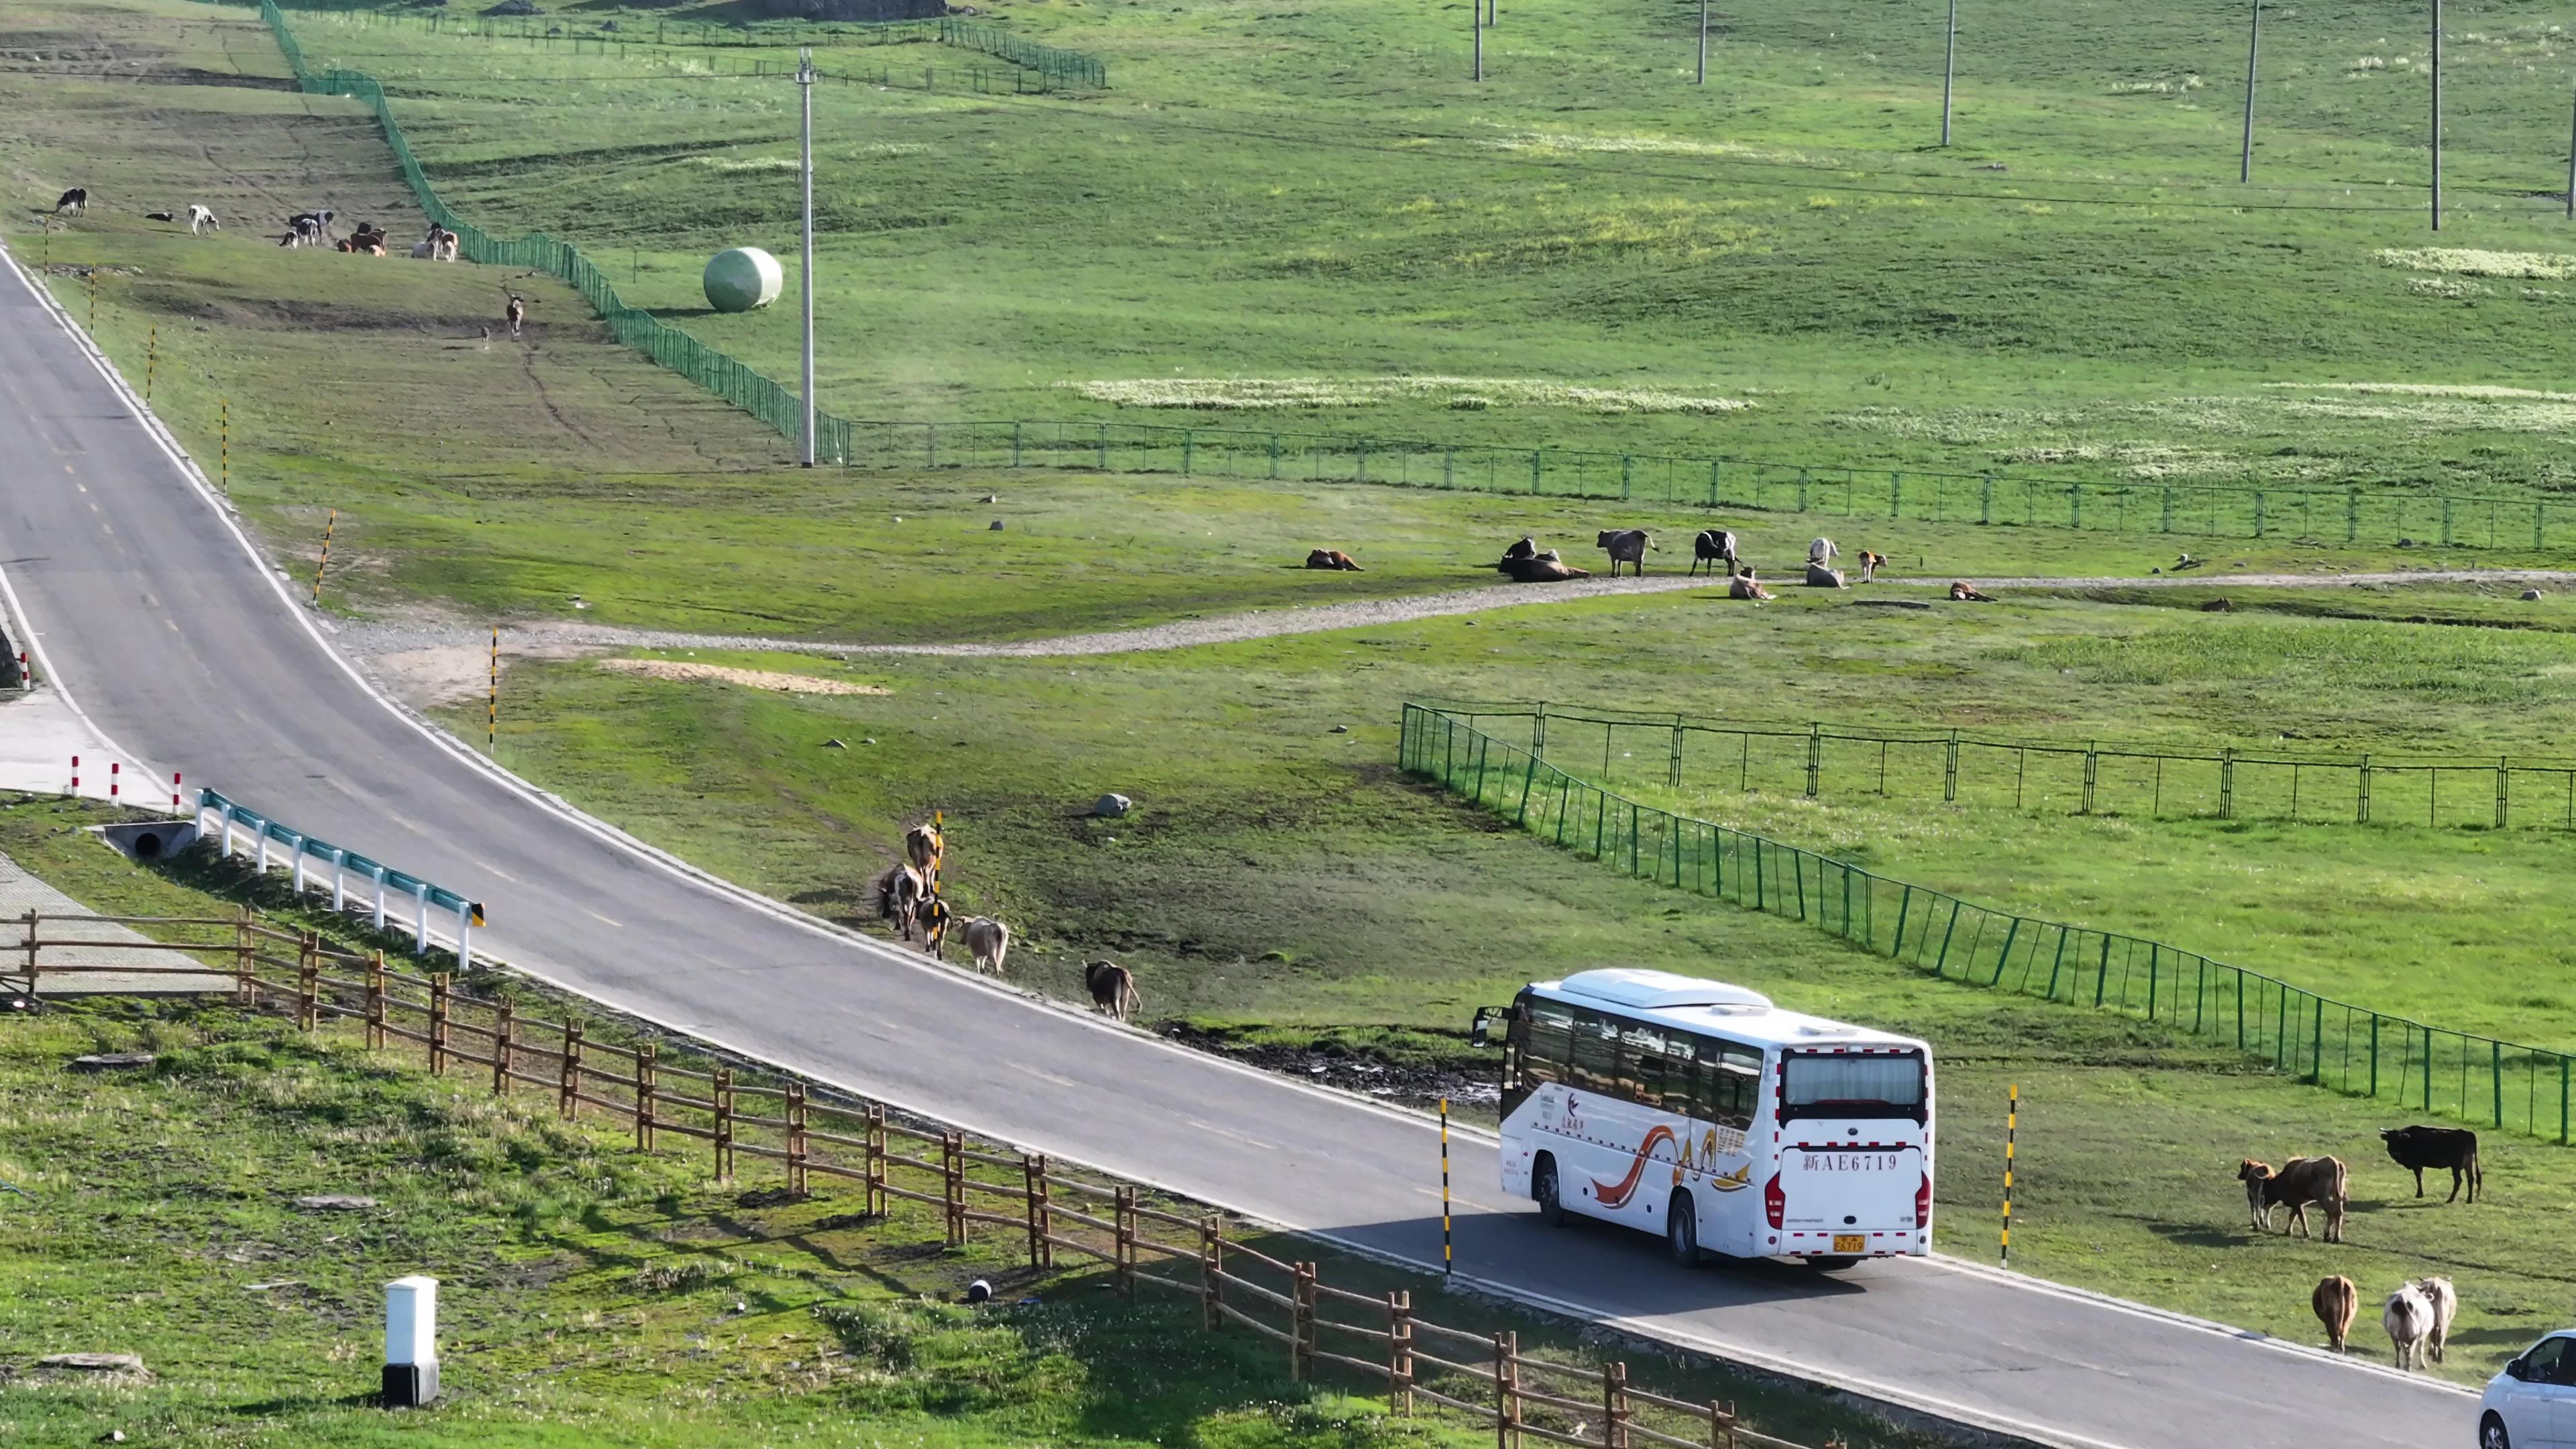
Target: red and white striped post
[(75, 774), (174, 792), (26, 676), (112, 767)]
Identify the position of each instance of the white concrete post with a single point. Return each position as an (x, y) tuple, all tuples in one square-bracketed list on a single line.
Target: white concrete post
[(339, 878), (411, 1342), (298, 872), (420, 931), (380, 898), (263, 849), (464, 935)]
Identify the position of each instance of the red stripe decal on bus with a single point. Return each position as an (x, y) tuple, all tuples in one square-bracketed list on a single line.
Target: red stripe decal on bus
[(1610, 1196)]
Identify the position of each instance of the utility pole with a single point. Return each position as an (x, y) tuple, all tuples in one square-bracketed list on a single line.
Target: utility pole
[(2253, 48), (805, 88), (2437, 115), (1949, 70), (1476, 23), (1703, 42)]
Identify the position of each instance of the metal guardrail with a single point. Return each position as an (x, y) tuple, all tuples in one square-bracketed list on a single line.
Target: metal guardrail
[(389, 884)]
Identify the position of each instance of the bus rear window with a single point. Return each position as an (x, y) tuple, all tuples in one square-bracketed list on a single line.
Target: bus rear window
[(1852, 1085)]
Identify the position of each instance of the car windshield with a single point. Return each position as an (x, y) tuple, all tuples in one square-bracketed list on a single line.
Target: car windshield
[(1847, 1084)]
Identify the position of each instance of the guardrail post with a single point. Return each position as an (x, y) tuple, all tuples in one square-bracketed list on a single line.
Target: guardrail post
[(644, 1097), (952, 1184), (1123, 1212), (308, 986), (570, 1103), (420, 928), (723, 1138), (380, 892), (1614, 1406), (1399, 1352), (1211, 1272), (505, 1040), (438, 1024), (876, 1163), (376, 1000), (1507, 1406), (796, 1144)]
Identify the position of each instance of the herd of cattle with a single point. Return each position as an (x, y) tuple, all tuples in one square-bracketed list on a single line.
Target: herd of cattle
[(2418, 1314), (1526, 563), (908, 894)]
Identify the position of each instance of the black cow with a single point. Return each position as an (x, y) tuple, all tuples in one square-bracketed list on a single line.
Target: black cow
[(1712, 547), (2417, 1148)]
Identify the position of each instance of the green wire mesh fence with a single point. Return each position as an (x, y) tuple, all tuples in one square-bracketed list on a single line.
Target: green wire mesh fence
[(2088, 777), (2328, 1043), (2348, 515), (1064, 67)]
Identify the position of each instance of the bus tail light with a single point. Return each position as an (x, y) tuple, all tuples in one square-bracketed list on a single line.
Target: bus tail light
[(1775, 1203), (1923, 1203)]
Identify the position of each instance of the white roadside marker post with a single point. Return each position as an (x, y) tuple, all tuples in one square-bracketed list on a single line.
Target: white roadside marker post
[(411, 1342)]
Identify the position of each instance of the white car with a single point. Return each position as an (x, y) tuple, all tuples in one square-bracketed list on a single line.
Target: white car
[(2532, 1404)]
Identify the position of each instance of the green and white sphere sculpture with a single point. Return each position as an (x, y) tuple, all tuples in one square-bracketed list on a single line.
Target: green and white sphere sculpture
[(743, 278)]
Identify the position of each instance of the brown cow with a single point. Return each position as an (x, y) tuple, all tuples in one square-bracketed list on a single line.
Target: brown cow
[(2336, 1301), (1540, 568), (1113, 989), (1746, 586), (2301, 1181), (1332, 558), (1624, 545)]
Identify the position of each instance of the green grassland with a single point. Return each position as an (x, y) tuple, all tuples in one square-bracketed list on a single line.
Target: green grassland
[(590, 1294), (1321, 194)]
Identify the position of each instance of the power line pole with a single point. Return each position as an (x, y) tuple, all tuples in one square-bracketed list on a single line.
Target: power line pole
[(2437, 115), (1703, 42), (2253, 48), (1949, 70), (805, 154)]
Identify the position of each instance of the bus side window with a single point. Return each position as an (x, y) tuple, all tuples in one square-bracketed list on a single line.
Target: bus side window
[(1641, 1064), (1548, 1043), (1596, 1052), (1729, 1081), (1681, 1050)]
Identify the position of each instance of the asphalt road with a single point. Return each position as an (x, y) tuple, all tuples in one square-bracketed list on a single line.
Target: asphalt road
[(180, 647)]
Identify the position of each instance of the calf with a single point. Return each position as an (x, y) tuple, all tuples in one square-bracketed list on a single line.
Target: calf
[(2301, 1181), (990, 940), (2408, 1317), (72, 202), (1625, 546), (1332, 558), (1113, 989), (201, 219), (2335, 1302), (1745, 586), (2417, 1148), (1870, 564), (1712, 547)]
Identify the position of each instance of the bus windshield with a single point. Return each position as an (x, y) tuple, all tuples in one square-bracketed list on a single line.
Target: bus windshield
[(1850, 1085)]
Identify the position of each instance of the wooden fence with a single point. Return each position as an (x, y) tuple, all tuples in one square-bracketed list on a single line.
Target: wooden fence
[(983, 1192)]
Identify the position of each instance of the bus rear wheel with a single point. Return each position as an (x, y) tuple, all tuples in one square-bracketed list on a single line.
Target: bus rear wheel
[(1681, 1229), (1551, 1209)]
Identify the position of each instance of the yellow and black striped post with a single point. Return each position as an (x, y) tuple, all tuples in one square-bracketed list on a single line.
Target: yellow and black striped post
[(325, 561), (93, 299), (224, 435), (1446, 1264), (2012, 1129), (492, 701), (151, 364)]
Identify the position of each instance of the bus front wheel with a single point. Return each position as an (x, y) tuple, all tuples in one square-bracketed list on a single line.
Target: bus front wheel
[(1551, 1209)]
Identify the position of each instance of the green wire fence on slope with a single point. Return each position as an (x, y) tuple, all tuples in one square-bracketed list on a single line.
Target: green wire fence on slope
[(2328, 1043)]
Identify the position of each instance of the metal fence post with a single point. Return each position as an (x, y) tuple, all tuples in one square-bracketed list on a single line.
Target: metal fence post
[(2227, 783), (2364, 794), (1950, 770), (1815, 753), (2092, 771), (1986, 499)]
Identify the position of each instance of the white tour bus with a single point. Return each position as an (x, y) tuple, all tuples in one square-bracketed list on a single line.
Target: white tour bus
[(1700, 1111)]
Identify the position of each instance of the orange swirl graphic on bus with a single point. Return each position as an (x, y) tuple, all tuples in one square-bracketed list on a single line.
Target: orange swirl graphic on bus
[(1609, 1195)]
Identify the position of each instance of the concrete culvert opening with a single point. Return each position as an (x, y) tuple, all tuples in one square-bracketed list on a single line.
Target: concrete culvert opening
[(147, 846)]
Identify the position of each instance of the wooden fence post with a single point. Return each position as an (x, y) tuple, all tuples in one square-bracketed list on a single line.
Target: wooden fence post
[(952, 1185), (796, 1138), (376, 1001), (1721, 1425), (1614, 1406), (505, 1038), (308, 985), (569, 1090), (1032, 1175), (876, 1160), (1124, 1212), (724, 1124), (1507, 1408), (1301, 1324), (30, 921), (243, 951), (1399, 1352), (644, 1097), (438, 1024), (1212, 1272)]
